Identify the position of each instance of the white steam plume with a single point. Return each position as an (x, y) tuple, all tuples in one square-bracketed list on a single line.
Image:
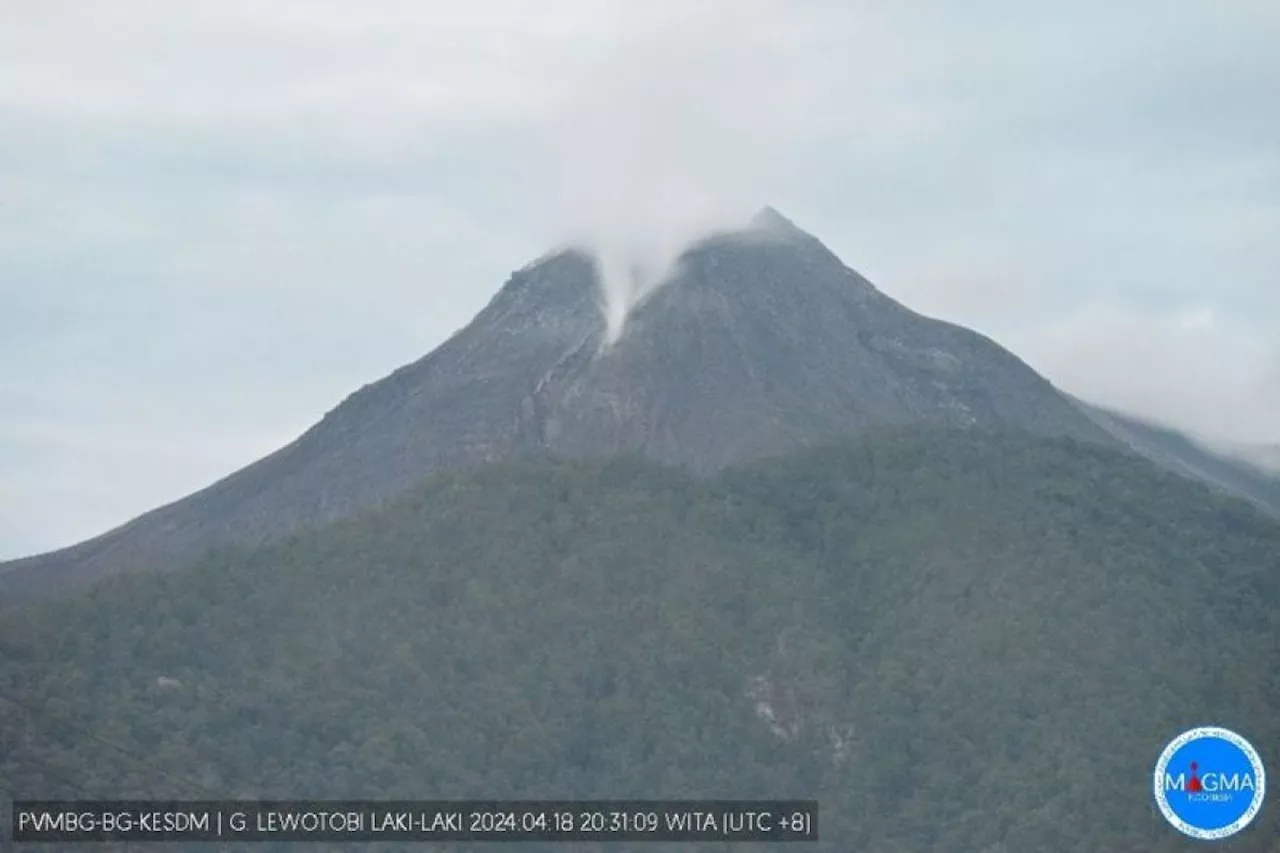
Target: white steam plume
[(662, 141)]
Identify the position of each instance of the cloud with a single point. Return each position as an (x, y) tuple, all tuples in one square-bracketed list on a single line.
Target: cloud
[(218, 219), (689, 122), (1126, 355)]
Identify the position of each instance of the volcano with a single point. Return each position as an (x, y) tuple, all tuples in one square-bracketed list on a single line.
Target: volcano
[(977, 612), (759, 341)]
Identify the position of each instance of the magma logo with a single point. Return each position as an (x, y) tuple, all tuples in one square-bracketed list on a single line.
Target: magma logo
[(1209, 783)]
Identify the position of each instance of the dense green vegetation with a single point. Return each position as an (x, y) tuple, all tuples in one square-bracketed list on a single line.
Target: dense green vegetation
[(966, 642)]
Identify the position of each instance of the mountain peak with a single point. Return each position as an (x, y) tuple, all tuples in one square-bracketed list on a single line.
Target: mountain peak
[(770, 220), (759, 342)]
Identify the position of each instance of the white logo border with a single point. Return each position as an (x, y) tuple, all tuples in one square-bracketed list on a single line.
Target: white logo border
[(1259, 775)]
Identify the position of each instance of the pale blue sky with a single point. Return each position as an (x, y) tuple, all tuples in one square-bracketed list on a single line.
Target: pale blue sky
[(219, 218)]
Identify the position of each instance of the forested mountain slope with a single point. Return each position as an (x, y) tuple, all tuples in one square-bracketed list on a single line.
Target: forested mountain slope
[(1235, 473), (957, 640)]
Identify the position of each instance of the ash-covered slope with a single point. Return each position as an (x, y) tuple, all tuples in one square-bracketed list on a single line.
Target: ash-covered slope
[(458, 405), (761, 341)]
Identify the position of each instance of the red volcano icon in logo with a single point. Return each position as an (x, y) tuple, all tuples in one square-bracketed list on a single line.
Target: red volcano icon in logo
[(1193, 784)]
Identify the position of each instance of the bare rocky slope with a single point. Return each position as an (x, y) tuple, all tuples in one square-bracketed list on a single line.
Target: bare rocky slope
[(761, 341)]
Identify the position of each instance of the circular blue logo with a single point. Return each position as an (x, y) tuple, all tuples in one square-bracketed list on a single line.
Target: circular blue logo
[(1209, 783)]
